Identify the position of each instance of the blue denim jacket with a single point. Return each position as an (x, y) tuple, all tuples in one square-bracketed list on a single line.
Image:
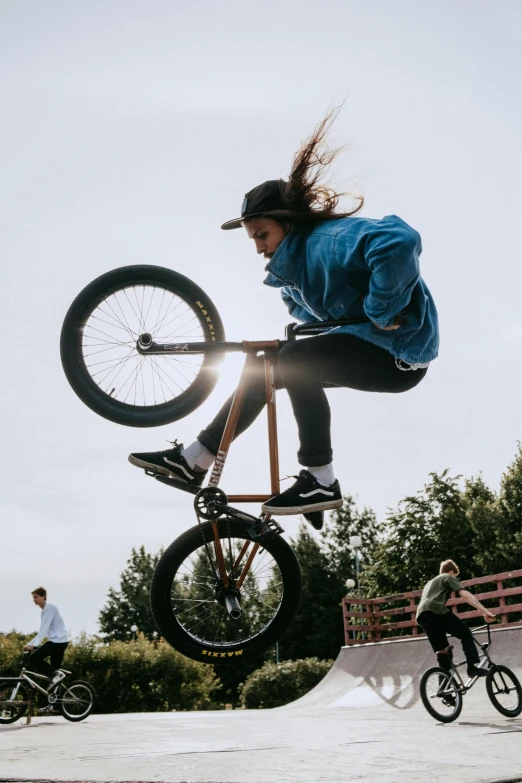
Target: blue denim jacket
[(360, 266)]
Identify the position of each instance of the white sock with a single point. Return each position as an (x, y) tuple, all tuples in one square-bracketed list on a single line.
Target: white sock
[(324, 474), (198, 456)]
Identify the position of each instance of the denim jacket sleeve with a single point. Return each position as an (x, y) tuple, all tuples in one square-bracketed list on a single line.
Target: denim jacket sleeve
[(294, 308), (393, 258)]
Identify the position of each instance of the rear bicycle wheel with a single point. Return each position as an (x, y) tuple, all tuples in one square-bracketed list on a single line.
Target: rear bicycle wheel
[(99, 354), (504, 691), (14, 700), (76, 700), (440, 695), (189, 600)]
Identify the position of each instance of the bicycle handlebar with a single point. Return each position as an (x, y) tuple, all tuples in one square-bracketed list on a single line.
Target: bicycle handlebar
[(146, 345)]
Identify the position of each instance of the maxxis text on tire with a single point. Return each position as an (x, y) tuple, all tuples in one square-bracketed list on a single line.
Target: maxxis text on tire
[(198, 647)]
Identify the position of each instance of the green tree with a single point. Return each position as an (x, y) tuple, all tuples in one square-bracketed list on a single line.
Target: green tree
[(317, 629), (426, 528), (510, 535), (343, 523), (484, 513), (496, 520), (130, 604)]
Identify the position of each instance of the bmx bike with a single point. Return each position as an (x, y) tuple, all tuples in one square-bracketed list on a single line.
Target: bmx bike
[(442, 692), (140, 346), (74, 700)]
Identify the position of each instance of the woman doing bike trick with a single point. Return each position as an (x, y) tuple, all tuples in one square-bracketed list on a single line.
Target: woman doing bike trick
[(327, 266)]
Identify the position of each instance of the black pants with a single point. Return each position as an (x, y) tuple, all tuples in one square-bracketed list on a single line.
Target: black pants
[(436, 626), (305, 368), (53, 650)]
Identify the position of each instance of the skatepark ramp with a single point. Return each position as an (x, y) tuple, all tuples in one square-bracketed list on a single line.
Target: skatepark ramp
[(386, 675)]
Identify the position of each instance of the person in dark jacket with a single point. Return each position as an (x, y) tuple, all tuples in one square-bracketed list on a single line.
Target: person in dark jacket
[(436, 620), (328, 266)]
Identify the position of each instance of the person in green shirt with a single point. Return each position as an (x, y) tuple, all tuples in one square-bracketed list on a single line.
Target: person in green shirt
[(436, 620)]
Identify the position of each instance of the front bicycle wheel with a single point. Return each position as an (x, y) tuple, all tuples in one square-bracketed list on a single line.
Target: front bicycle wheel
[(212, 622), (440, 695), (76, 701), (101, 360), (14, 700), (504, 691)]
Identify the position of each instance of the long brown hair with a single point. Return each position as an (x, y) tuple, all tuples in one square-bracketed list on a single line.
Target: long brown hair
[(305, 197)]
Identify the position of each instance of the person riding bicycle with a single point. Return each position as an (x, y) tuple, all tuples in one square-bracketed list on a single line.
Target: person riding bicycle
[(328, 266), (436, 620), (53, 628)]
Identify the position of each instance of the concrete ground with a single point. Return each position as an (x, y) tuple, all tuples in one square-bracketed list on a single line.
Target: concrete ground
[(365, 719)]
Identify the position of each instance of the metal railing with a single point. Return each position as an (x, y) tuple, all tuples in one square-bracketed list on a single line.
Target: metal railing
[(393, 616)]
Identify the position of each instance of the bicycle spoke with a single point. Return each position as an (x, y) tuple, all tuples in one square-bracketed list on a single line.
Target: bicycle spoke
[(109, 345), (197, 600)]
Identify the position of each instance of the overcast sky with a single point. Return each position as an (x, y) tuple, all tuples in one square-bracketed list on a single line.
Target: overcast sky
[(131, 130)]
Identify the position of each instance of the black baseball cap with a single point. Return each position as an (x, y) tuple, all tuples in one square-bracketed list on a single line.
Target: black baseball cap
[(264, 199)]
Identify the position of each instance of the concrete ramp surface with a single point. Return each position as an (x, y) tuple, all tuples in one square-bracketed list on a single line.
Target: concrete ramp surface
[(386, 675), (364, 722)]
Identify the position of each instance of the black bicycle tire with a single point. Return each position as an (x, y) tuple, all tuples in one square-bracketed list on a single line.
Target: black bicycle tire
[(75, 718), (73, 360), (21, 712), (178, 638), (429, 706), (492, 698)]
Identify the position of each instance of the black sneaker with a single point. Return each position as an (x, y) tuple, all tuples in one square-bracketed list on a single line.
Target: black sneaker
[(169, 463), (445, 658), (304, 496), (474, 671)]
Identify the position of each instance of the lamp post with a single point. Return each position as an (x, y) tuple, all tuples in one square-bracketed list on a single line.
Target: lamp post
[(350, 584), (356, 544), (134, 628)]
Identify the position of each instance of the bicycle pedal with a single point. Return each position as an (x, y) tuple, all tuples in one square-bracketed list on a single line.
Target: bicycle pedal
[(170, 482), (265, 529)]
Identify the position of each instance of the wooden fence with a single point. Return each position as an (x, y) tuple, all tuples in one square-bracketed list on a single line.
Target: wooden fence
[(393, 616)]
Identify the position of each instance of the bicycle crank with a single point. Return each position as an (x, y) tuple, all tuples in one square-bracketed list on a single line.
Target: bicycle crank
[(210, 503)]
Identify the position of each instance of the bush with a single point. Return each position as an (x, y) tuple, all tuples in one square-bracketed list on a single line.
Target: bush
[(133, 676), (276, 684), (11, 647)]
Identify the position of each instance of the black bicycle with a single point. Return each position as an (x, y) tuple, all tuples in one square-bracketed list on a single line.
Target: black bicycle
[(140, 346), (18, 696), (442, 691)]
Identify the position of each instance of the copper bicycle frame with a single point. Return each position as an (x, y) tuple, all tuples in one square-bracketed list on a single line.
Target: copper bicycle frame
[(251, 348), (269, 347)]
